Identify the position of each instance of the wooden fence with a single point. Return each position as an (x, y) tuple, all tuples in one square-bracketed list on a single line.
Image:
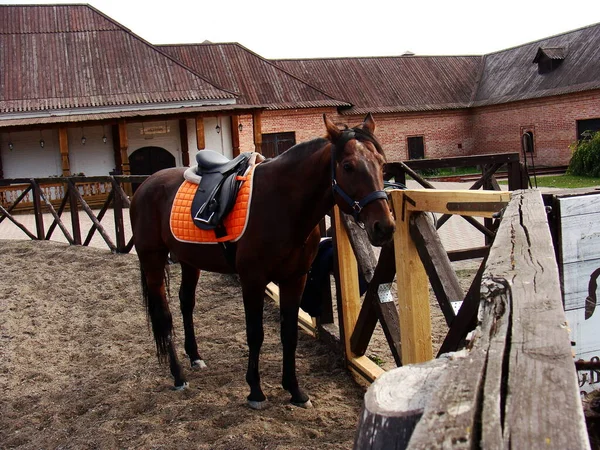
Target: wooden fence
[(59, 194), (515, 386)]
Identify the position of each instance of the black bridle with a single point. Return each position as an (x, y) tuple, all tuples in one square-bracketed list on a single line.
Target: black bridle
[(356, 205)]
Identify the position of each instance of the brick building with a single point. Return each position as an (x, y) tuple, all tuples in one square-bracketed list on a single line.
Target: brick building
[(107, 98)]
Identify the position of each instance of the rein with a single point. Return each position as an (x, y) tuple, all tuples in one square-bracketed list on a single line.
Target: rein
[(356, 205)]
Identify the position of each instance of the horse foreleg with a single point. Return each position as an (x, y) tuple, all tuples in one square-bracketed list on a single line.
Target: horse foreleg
[(187, 301), (253, 308), (290, 294)]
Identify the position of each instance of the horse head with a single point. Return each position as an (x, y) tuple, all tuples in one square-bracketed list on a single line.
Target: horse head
[(357, 161)]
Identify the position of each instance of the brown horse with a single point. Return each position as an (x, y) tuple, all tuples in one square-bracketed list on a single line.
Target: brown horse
[(291, 194)]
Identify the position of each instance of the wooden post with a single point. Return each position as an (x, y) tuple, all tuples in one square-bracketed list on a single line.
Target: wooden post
[(200, 142), (235, 134), (37, 210), (349, 300), (183, 135), (118, 216), (75, 225), (413, 289), (123, 146), (257, 130), (389, 414), (63, 145)]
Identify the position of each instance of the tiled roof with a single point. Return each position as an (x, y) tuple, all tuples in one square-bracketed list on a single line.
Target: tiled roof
[(71, 56), (255, 79), (392, 84), (511, 75)]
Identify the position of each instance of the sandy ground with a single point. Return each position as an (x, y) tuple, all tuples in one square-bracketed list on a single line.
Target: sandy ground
[(78, 366)]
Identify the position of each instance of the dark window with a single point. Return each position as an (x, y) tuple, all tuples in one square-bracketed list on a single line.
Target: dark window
[(416, 148), (528, 146), (148, 160), (274, 144), (586, 127)]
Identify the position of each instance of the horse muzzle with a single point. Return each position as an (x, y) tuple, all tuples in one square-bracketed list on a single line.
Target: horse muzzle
[(380, 232)]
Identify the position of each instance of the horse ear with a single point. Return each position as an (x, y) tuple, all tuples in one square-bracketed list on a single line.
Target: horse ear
[(333, 132), (369, 124)]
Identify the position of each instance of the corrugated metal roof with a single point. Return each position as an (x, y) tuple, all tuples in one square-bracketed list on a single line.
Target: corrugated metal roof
[(70, 56), (392, 84), (255, 79), (511, 75)]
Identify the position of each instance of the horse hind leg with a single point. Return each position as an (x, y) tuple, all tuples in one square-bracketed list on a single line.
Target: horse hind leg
[(187, 301), (157, 307)]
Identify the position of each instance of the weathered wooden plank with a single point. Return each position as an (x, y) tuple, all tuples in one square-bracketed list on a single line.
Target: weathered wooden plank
[(363, 250), (413, 289), (441, 275), (37, 209), (517, 386), (540, 360)]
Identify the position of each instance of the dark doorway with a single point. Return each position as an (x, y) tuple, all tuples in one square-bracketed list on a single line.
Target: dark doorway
[(148, 160), (274, 144), (416, 148)]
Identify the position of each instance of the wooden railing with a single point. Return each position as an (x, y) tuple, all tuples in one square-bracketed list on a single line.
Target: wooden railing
[(514, 386), (57, 195)]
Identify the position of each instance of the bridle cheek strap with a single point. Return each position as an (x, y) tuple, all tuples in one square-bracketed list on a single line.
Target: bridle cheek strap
[(356, 206)]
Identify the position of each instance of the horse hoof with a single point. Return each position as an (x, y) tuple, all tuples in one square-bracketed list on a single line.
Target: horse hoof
[(257, 405), (181, 387), (198, 364), (306, 405)]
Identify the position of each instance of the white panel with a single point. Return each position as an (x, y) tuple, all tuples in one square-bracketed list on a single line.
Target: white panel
[(221, 141), (94, 157), (28, 159), (576, 279), (579, 205)]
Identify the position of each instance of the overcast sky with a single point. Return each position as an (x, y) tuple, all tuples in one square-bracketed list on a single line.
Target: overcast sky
[(324, 28)]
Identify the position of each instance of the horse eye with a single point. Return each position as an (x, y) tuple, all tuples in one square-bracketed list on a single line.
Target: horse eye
[(348, 167)]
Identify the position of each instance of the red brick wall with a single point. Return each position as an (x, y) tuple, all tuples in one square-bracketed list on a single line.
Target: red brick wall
[(553, 121), (493, 129)]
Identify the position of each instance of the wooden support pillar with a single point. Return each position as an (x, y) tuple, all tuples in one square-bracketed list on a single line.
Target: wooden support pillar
[(183, 138), (235, 134), (63, 145), (1, 171), (123, 146), (117, 149), (257, 130), (413, 289), (200, 142)]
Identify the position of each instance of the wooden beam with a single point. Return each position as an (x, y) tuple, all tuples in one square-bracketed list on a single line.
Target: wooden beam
[(183, 139), (257, 130), (63, 146), (441, 275), (235, 134), (348, 283), (413, 289), (200, 141), (123, 146), (464, 203)]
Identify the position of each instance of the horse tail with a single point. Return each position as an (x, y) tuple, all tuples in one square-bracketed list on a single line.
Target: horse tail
[(158, 315)]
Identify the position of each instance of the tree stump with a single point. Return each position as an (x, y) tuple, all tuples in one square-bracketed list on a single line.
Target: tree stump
[(394, 404)]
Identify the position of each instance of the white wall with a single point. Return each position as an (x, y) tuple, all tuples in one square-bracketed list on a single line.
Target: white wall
[(28, 159), (219, 142), (137, 138), (95, 157)]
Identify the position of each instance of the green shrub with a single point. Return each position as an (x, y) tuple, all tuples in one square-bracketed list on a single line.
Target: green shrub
[(586, 157)]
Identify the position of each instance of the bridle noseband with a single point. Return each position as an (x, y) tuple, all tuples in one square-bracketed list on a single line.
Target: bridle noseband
[(356, 206)]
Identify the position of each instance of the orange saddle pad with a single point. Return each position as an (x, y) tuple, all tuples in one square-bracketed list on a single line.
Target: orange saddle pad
[(182, 224)]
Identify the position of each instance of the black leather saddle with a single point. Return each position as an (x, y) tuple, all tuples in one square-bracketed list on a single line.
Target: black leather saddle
[(218, 188)]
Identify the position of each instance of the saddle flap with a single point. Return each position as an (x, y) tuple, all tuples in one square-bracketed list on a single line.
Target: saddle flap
[(217, 192)]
